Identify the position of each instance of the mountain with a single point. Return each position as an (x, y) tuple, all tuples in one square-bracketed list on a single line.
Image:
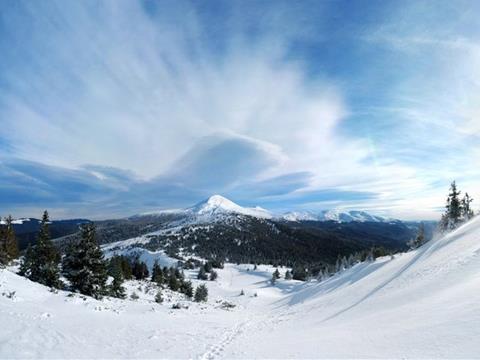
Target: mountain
[(415, 305), (217, 227), (215, 208), (334, 215), (26, 229), (218, 206)]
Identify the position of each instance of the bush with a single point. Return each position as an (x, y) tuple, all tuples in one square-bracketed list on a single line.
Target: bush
[(202, 274), (201, 293), (159, 297), (213, 275)]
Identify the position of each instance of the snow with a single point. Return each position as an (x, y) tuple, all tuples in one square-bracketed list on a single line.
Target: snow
[(218, 208), (218, 204), (420, 304), (215, 208), (337, 215), (16, 221)]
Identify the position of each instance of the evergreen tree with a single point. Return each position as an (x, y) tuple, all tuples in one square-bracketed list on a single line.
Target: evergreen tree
[(273, 279), (201, 293), (202, 274), (116, 288), (208, 266), (453, 208), (3, 245), (288, 275), (41, 264), (8, 242), (139, 269), (467, 212), (27, 263), (213, 275), (84, 265), (276, 274), (157, 273), (173, 281), (419, 239), (299, 273), (187, 288)]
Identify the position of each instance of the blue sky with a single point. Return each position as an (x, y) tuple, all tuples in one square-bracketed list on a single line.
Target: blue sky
[(109, 108)]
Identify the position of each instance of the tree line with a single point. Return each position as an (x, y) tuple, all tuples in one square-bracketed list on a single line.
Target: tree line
[(84, 266)]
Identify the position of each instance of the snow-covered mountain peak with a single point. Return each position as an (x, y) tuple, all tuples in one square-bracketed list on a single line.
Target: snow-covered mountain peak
[(218, 204), (215, 203)]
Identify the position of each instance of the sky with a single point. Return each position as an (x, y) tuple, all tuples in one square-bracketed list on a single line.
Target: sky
[(111, 108)]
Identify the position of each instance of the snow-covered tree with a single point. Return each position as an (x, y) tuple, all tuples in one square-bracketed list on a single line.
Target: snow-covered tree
[(457, 210), (84, 265), (202, 274), (159, 297), (213, 275), (8, 242), (453, 214), (41, 262), (139, 269), (276, 274), (419, 239), (173, 281), (187, 288), (201, 293), (157, 273), (288, 275), (467, 211), (116, 288)]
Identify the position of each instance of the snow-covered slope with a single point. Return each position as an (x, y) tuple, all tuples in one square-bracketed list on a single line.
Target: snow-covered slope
[(421, 304), (334, 215)]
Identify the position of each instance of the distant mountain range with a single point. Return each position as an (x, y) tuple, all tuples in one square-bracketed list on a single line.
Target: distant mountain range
[(217, 227), (218, 207)]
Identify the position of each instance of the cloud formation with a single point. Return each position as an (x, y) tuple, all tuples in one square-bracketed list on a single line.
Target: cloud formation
[(115, 107)]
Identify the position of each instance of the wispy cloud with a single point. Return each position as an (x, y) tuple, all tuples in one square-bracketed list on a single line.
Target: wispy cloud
[(268, 103)]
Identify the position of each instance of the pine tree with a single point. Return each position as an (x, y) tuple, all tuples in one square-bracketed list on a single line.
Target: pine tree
[(116, 288), (201, 293), (3, 245), (467, 212), (202, 274), (8, 242), (85, 266), (288, 275), (157, 273), (276, 274), (139, 269), (213, 275), (26, 264), (273, 279), (187, 288), (173, 281), (40, 264), (419, 239), (299, 273), (454, 207)]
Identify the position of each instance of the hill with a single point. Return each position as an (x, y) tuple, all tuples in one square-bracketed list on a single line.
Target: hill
[(420, 304)]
